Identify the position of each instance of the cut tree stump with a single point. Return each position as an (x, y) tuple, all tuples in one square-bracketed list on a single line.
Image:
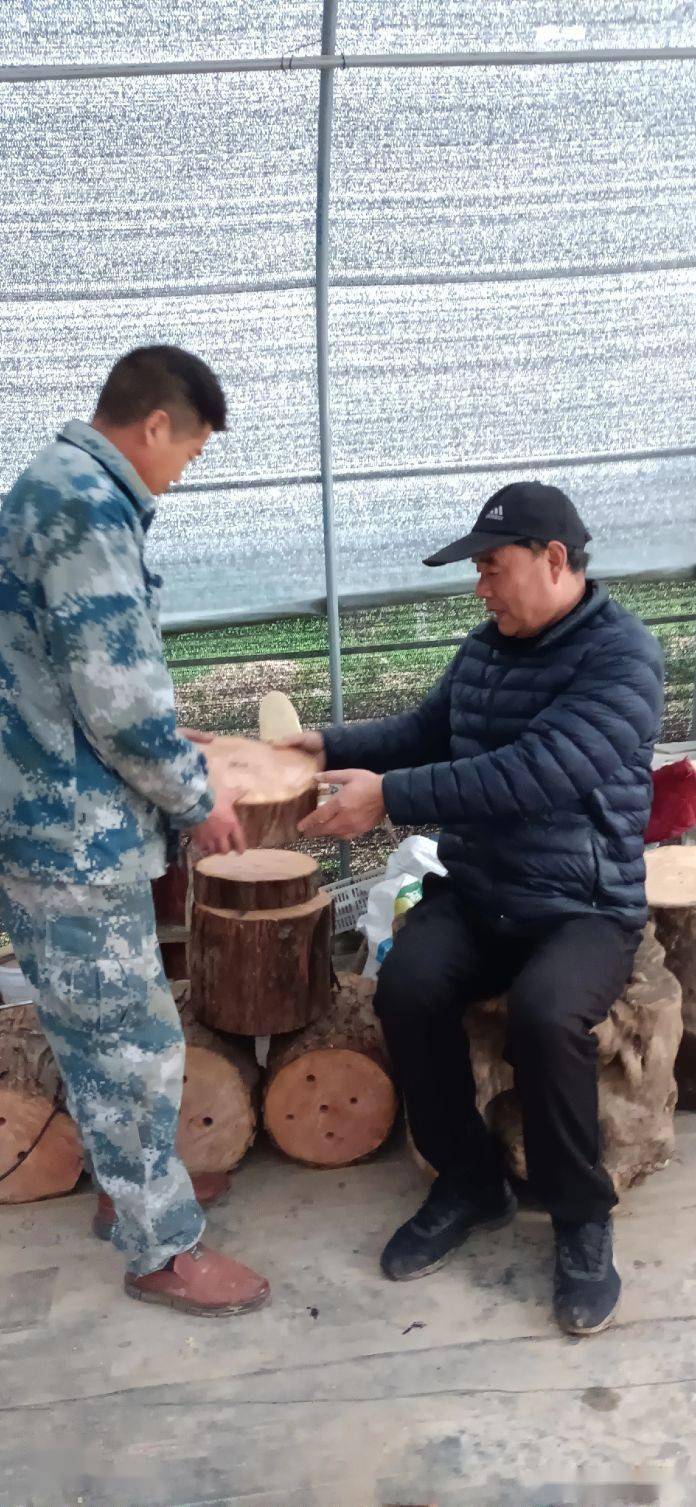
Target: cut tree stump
[(219, 1106), (29, 1085), (636, 1050), (255, 880), (330, 1100), (671, 890), (272, 788), (264, 971)]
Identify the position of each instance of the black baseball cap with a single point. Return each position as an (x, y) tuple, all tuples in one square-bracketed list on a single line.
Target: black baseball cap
[(522, 510)]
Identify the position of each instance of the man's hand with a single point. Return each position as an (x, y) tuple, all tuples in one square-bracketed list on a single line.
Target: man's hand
[(220, 832), (358, 807), (194, 736), (311, 743)]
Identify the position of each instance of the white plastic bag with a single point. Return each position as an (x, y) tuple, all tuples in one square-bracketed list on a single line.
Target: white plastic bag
[(401, 887)]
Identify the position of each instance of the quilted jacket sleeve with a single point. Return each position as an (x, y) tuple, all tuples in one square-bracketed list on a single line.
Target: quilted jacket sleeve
[(417, 737), (106, 651), (570, 749)]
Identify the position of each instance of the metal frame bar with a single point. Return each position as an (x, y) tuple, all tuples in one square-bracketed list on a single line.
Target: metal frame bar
[(394, 646), (444, 468), (358, 280), (324, 141), (367, 600), (20, 73), (328, 46)]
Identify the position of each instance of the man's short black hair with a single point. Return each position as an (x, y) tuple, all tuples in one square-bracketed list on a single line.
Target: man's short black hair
[(162, 376), (578, 558)]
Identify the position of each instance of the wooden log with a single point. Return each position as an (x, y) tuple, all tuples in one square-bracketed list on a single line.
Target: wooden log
[(273, 788), (257, 973), (29, 1086), (277, 717), (169, 893), (260, 879), (173, 946), (671, 891), (330, 1100), (219, 1106)]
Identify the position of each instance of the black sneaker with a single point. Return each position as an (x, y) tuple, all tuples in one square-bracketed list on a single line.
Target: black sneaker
[(587, 1286), (441, 1225)]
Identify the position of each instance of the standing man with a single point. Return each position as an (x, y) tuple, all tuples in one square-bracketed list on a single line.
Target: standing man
[(93, 775), (533, 755)]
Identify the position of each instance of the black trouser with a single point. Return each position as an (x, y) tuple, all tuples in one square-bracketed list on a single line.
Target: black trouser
[(561, 980)]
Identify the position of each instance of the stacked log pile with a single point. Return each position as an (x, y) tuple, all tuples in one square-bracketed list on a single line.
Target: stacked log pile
[(257, 932)]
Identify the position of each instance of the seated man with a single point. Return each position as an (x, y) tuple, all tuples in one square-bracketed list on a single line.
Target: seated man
[(533, 755)]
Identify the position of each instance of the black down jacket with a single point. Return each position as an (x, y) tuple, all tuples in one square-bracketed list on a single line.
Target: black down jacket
[(534, 758)]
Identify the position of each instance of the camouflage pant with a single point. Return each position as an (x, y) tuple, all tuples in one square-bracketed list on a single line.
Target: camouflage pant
[(91, 954)]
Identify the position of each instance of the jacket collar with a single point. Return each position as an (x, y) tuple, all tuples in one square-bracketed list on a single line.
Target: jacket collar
[(596, 596), (95, 444)]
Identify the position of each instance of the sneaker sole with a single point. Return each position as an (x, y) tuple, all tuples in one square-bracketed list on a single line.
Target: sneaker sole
[(200, 1310), (579, 1334), (436, 1266)]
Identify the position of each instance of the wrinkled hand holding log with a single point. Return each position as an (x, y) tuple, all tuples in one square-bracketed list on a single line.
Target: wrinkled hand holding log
[(357, 807)]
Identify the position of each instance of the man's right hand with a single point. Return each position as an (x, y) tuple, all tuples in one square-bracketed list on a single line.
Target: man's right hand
[(221, 832), (311, 743)]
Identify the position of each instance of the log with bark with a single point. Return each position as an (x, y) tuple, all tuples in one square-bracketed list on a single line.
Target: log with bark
[(220, 1100), (266, 970), (34, 1132), (273, 788), (169, 893), (330, 1100), (671, 890), (636, 1050)]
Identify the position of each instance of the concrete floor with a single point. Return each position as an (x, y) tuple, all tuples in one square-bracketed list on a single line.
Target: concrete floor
[(349, 1391)]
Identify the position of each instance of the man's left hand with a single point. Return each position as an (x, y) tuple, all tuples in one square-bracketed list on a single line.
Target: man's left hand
[(357, 808)]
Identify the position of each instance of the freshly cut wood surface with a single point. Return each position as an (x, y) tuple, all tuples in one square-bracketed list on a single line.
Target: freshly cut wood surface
[(329, 1098), (263, 971), (277, 717), (273, 788), (260, 879), (219, 1106), (671, 876)]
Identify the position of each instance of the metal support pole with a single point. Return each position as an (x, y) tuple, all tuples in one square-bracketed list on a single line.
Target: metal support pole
[(328, 45), (326, 92), (31, 73)]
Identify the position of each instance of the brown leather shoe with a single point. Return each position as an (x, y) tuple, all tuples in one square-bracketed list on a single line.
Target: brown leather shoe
[(207, 1186), (203, 1282)]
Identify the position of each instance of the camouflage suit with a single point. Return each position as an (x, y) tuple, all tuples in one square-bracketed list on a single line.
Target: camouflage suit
[(93, 776)]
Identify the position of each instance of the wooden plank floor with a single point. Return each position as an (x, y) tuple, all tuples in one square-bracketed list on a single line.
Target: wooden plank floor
[(349, 1391)]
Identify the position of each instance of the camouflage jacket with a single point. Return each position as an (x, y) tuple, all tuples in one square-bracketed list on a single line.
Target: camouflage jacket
[(92, 770)]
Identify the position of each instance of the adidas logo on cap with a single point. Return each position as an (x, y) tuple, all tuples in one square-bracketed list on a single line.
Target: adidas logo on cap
[(496, 513)]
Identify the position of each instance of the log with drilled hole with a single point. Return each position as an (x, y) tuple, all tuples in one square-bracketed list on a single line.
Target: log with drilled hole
[(671, 889), (29, 1084), (329, 1098), (219, 1106), (260, 956), (272, 788)]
